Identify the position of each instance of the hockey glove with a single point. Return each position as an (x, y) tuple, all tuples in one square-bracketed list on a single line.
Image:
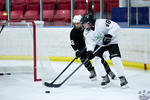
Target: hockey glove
[(78, 54), (90, 55), (107, 39)]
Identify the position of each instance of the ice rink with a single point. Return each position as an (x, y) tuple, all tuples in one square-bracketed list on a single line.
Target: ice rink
[(78, 87)]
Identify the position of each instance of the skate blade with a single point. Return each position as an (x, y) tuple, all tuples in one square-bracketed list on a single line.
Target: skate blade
[(125, 87), (106, 86), (93, 79)]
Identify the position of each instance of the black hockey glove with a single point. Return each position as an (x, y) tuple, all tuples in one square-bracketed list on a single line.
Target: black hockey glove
[(107, 39), (90, 55), (78, 54)]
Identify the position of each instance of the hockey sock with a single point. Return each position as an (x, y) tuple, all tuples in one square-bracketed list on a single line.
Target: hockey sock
[(106, 66)]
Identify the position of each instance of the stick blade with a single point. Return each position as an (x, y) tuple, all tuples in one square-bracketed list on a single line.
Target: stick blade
[(2, 28), (52, 85)]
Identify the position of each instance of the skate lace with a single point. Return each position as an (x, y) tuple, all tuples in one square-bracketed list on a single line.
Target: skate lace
[(92, 73), (104, 79), (122, 80)]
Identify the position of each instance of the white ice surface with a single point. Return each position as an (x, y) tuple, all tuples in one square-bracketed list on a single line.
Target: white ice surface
[(78, 87)]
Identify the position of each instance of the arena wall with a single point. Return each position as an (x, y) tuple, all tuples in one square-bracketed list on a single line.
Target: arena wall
[(133, 42)]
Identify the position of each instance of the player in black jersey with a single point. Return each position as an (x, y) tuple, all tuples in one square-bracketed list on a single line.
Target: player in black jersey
[(78, 44)]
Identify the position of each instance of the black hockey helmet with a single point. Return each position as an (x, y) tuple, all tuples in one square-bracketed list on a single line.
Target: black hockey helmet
[(87, 18)]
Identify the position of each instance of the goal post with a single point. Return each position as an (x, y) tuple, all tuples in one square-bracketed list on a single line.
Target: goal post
[(22, 50)]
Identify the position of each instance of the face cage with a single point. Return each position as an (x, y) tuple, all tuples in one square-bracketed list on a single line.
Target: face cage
[(90, 24)]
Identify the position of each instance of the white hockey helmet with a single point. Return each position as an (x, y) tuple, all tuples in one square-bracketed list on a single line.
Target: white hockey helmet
[(77, 18)]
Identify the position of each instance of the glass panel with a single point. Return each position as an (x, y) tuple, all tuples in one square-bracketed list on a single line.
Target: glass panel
[(116, 11), (62, 13), (58, 12), (80, 7), (49, 9), (140, 15), (3, 10)]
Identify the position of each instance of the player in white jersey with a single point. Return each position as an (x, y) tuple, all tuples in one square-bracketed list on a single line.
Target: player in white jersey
[(105, 34)]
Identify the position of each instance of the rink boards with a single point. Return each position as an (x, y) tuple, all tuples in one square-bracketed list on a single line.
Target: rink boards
[(133, 44)]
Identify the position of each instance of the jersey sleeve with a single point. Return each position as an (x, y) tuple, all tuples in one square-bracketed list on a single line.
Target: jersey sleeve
[(89, 40), (72, 40), (112, 27)]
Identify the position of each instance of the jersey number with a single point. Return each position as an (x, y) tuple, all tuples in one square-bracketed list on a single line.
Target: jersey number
[(108, 22), (72, 42)]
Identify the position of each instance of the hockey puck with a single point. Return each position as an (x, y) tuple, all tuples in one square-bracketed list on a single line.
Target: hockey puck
[(5, 73), (47, 91), (8, 73), (1, 73)]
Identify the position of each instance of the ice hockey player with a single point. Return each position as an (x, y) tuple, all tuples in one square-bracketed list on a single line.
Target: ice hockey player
[(78, 44), (105, 34)]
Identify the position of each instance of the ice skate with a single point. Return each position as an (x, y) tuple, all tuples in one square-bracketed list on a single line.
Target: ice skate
[(112, 75), (124, 82), (105, 82), (93, 75)]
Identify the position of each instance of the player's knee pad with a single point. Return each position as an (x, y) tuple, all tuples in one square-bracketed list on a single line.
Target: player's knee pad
[(116, 60), (97, 64), (118, 65)]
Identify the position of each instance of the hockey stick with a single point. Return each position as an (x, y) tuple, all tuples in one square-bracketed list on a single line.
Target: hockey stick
[(58, 85), (45, 83), (2, 28)]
